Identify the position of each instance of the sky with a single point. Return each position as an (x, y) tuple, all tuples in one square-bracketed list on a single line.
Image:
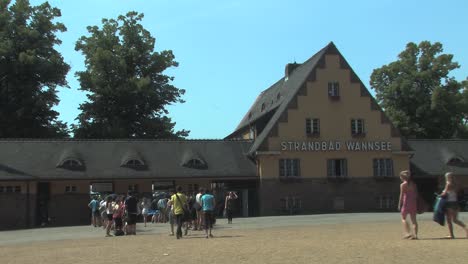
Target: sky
[(230, 51)]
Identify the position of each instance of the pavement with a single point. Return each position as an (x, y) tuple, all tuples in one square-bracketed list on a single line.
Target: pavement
[(83, 232)]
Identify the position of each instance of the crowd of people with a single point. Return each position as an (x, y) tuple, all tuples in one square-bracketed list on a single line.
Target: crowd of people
[(411, 203), (183, 212), (199, 211)]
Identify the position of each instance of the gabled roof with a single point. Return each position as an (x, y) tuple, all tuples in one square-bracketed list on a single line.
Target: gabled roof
[(280, 93), (432, 156), (290, 87), (37, 159)]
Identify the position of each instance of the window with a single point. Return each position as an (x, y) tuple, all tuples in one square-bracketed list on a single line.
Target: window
[(71, 164), (134, 163), (334, 90), (263, 107), (70, 189), (133, 187), (357, 127), (10, 189), (312, 126), (386, 202), (278, 96), (196, 163), (383, 167), (289, 167), (337, 168), (252, 133)]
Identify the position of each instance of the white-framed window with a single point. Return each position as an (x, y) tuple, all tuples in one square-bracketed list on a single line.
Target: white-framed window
[(10, 189), (334, 89), (289, 168), (337, 168), (357, 127), (386, 201), (383, 167), (133, 187), (312, 126), (71, 189)]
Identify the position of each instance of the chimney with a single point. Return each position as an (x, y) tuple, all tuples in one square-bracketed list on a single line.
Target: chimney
[(290, 67)]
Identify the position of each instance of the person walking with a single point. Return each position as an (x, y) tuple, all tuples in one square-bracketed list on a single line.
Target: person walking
[(407, 204), (179, 203), (94, 206), (208, 206), (146, 206), (109, 214), (131, 207), (198, 208), (451, 206), (228, 204)]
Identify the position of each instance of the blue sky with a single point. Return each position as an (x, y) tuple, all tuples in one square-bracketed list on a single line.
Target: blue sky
[(230, 51)]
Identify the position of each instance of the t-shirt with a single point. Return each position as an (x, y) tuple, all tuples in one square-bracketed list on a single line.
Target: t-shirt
[(162, 203), (198, 198), (207, 202), (94, 205), (131, 205), (178, 209)]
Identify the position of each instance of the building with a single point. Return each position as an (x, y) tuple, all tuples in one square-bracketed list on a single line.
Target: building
[(316, 141)]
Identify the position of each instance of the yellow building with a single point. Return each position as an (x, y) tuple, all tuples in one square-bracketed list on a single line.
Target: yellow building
[(321, 142)]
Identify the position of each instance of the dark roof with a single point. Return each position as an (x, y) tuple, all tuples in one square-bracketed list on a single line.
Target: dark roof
[(282, 91), (288, 88), (102, 159), (433, 157)]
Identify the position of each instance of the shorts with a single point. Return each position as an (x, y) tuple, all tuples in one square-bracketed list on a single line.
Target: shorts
[(109, 217), (452, 205), (118, 222), (95, 213), (209, 219), (131, 219), (144, 212)]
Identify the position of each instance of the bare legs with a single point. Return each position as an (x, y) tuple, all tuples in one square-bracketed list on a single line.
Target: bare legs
[(406, 226), (452, 217)]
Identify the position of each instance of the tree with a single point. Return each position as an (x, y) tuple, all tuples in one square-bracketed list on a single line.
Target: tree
[(418, 94), (30, 70), (127, 90)]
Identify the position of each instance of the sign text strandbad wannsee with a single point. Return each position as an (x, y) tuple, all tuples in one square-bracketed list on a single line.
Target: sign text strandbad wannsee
[(336, 145)]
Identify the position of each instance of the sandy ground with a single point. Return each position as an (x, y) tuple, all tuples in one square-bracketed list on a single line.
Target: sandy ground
[(373, 242)]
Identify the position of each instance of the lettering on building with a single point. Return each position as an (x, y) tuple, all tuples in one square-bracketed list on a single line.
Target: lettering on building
[(336, 145)]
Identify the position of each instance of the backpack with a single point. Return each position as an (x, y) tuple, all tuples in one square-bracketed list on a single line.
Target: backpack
[(119, 232)]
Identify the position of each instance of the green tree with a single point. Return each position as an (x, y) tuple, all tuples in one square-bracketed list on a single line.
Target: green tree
[(418, 94), (30, 70), (127, 91)]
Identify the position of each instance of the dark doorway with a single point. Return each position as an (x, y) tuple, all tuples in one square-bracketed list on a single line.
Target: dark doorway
[(43, 197), (426, 188)]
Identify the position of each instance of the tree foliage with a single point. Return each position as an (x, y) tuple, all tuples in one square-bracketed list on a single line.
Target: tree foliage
[(127, 90), (419, 95), (30, 70)]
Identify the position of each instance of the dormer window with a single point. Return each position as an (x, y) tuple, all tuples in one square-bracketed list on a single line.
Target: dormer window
[(134, 163), (196, 164), (455, 161), (263, 107), (71, 164), (278, 96)]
